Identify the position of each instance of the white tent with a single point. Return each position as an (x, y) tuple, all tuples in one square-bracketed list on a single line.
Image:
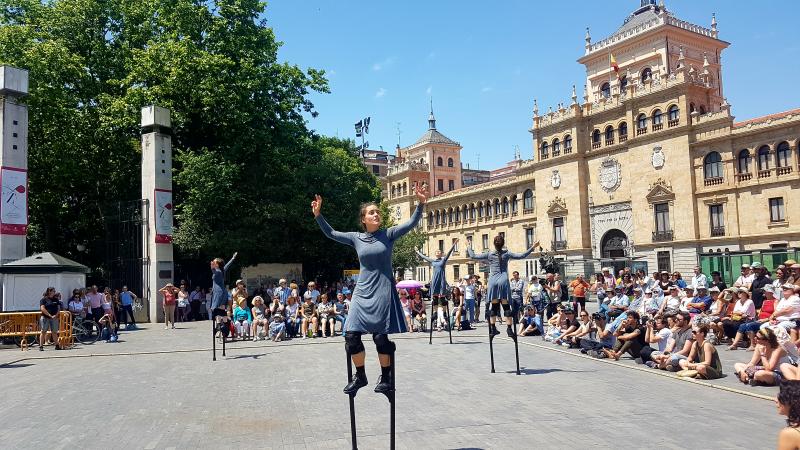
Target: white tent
[(25, 280)]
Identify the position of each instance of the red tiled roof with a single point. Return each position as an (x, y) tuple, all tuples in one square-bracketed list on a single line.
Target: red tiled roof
[(770, 116)]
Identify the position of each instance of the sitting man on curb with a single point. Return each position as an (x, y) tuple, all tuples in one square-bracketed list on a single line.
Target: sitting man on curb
[(630, 338), (601, 337), (678, 347), (531, 322)]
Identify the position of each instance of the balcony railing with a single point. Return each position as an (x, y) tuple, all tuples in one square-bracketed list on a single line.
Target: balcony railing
[(658, 126), (672, 123), (556, 152), (744, 176), (559, 245), (717, 231), (641, 131), (663, 236), (623, 138), (567, 150), (712, 181), (595, 145), (610, 141), (785, 170), (764, 173)]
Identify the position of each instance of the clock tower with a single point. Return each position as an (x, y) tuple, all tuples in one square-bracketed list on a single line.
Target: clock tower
[(158, 206)]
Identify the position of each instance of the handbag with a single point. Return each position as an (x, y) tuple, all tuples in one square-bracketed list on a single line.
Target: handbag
[(687, 373)]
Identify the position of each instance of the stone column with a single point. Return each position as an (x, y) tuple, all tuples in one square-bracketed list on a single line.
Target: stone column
[(157, 206), (13, 163)]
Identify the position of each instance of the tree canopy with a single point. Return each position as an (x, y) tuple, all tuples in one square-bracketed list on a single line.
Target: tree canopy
[(246, 164)]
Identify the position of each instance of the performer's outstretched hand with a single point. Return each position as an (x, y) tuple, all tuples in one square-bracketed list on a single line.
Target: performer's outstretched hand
[(421, 189), (536, 244), (316, 205)]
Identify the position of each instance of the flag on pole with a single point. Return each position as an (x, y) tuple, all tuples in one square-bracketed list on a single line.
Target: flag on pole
[(359, 126), (614, 64), (366, 125)]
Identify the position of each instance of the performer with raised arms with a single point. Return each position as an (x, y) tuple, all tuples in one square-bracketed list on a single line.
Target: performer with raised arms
[(498, 293), (220, 302), (375, 307), (439, 287)]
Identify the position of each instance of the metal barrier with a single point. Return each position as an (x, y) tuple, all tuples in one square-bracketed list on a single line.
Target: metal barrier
[(24, 325)]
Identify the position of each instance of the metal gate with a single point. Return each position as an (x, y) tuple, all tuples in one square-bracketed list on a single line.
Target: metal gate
[(126, 255)]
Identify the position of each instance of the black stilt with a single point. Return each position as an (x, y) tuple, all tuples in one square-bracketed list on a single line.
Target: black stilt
[(352, 404), (516, 344), (430, 331), (214, 339), (390, 395), (223, 336), (491, 349), (449, 326)]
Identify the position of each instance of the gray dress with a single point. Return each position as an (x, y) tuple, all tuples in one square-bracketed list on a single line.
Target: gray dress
[(439, 281), (375, 307), (219, 296), (499, 288)]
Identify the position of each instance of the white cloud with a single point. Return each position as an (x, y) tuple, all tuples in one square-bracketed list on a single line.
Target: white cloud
[(384, 64), (429, 90), (487, 89), (381, 92)]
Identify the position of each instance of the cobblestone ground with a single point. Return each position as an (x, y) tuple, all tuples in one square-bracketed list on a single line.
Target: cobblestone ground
[(159, 389)]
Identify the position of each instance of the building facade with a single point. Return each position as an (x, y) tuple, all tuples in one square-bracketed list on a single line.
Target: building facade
[(647, 169)]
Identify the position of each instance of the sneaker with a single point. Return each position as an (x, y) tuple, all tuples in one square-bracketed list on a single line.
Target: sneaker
[(355, 384), (651, 364), (384, 385), (565, 344), (255, 339)]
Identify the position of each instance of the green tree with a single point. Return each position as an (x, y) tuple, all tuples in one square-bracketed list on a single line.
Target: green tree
[(404, 257)]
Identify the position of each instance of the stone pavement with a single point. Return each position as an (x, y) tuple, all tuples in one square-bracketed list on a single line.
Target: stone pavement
[(159, 389)]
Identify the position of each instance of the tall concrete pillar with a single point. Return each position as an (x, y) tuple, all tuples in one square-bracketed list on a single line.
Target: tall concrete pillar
[(157, 206), (13, 163)]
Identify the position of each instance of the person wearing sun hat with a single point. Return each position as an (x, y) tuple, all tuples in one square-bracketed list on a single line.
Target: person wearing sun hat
[(745, 278), (787, 310)]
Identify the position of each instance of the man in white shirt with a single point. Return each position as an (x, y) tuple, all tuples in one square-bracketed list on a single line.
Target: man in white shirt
[(699, 279), (786, 311), (468, 287), (746, 278)]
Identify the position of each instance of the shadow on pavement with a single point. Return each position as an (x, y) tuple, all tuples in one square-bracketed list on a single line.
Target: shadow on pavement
[(14, 365), (526, 371)]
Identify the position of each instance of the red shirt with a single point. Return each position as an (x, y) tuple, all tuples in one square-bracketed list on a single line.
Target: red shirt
[(767, 308), (169, 298)]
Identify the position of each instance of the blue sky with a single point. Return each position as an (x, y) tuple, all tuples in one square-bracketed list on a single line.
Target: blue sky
[(484, 62)]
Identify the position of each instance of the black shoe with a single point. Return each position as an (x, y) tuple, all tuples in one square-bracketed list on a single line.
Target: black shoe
[(357, 383), (510, 333), (41, 349), (493, 330), (384, 385)]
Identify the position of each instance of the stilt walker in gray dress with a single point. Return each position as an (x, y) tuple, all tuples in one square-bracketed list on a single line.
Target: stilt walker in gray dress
[(375, 307), (498, 293), (439, 288), (220, 303)]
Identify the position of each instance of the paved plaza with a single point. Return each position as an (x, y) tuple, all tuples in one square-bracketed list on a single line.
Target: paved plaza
[(159, 389)]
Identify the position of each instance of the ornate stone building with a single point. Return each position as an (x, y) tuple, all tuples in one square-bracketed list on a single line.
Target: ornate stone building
[(648, 168)]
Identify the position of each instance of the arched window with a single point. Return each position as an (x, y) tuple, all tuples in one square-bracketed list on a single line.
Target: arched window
[(527, 199), (556, 147), (444, 217), (763, 158), (480, 209), (513, 204), (430, 219), (596, 137), (567, 144), (437, 217), (505, 205), (545, 150), (464, 213), (488, 208), (657, 117), (623, 83), (674, 113), (702, 109), (393, 192), (472, 211), (691, 107), (623, 129), (449, 162), (457, 216), (646, 74), (782, 154), (609, 135), (712, 165), (605, 90), (405, 188), (452, 218), (641, 122), (439, 161), (496, 206), (744, 161)]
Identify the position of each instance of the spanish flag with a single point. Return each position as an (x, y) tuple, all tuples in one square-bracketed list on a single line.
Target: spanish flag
[(614, 64)]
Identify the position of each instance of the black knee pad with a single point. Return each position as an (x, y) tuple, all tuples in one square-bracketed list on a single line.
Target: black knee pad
[(352, 343), (495, 308), (383, 345), (224, 328), (506, 309)]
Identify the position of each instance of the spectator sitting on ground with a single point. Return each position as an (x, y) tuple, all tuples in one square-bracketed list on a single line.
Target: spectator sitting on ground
[(531, 322), (764, 367), (327, 318), (678, 347), (418, 310), (671, 303), (108, 320), (652, 303), (630, 338), (260, 318), (584, 327), (748, 329), (308, 312), (687, 299), (657, 332), (601, 338), (240, 322), (703, 356), (277, 328), (638, 302), (619, 303)]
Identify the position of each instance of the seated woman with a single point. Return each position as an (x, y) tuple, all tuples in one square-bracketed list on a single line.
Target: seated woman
[(742, 310), (458, 305), (327, 318), (293, 319), (703, 357), (749, 329), (418, 311), (405, 302), (276, 307), (260, 317), (108, 320), (240, 322), (764, 367), (565, 323), (721, 308), (582, 329), (531, 322), (277, 328), (308, 313)]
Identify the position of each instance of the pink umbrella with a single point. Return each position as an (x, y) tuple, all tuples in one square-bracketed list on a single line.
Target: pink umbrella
[(409, 284)]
